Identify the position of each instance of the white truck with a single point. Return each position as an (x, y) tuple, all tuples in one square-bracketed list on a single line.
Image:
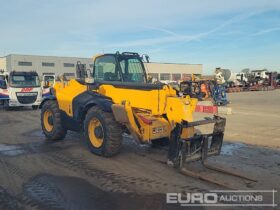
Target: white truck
[(226, 76), (20, 89)]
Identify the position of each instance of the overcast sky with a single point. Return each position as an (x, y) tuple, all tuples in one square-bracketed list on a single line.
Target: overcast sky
[(230, 34)]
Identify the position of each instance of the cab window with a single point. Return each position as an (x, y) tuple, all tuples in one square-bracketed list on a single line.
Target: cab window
[(105, 69), (132, 70)]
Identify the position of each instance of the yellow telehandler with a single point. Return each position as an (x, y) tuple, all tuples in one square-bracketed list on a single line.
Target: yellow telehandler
[(115, 97)]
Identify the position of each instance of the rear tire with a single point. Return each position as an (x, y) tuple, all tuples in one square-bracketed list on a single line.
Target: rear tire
[(51, 121), (102, 132)]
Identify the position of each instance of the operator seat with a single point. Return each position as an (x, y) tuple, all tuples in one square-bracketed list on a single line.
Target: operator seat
[(109, 76)]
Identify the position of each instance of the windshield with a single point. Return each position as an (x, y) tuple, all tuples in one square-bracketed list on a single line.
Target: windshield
[(132, 70), (24, 81), (49, 78), (106, 69)]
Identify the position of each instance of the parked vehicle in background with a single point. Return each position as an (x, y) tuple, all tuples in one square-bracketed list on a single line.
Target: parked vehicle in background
[(20, 89), (4, 95), (246, 80), (278, 80), (260, 74), (231, 79)]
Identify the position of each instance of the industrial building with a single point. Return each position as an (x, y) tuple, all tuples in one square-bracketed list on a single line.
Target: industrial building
[(66, 65), (42, 64), (172, 71)]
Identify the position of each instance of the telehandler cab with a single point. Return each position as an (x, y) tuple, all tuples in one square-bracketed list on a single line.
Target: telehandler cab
[(114, 98)]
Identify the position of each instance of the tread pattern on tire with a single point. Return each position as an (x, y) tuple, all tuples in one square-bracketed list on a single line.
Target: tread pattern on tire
[(58, 132), (112, 132), (6, 105)]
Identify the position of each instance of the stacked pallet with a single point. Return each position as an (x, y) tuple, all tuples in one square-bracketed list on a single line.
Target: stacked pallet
[(234, 89)]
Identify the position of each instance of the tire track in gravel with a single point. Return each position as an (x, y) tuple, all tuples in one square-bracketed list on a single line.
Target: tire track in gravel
[(13, 170), (105, 180), (47, 195), (113, 182), (110, 181), (9, 201), (40, 192), (53, 154), (6, 120)]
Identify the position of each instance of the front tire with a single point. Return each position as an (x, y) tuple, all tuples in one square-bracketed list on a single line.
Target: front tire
[(102, 132), (51, 121), (6, 105), (35, 107)]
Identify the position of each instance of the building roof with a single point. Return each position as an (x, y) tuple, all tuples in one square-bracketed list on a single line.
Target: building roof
[(50, 56)]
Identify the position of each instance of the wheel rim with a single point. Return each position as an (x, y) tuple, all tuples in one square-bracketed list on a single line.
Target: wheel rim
[(48, 120), (95, 132)]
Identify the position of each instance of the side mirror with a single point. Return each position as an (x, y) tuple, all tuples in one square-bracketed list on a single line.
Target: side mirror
[(147, 58), (150, 79), (47, 84), (81, 70), (3, 84), (89, 79)]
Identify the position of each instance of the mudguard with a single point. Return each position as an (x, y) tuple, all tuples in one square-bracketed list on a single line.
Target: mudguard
[(86, 100), (50, 97)]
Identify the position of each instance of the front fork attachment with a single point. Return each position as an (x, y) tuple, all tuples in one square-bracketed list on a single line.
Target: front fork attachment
[(177, 148), (196, 147)]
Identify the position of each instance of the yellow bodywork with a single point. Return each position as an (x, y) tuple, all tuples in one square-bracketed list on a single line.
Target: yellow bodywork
[(131, 104), (65, 93), (152, 100)]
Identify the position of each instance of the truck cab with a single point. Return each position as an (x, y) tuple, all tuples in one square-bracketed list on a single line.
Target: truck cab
[(20, 89)]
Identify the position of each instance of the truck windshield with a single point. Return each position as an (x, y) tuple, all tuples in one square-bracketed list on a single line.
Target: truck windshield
[(24, 81), (49, 78), (132, 70)]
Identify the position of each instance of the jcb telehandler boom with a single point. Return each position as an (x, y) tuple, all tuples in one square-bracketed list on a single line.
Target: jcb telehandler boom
[(114, 98)]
